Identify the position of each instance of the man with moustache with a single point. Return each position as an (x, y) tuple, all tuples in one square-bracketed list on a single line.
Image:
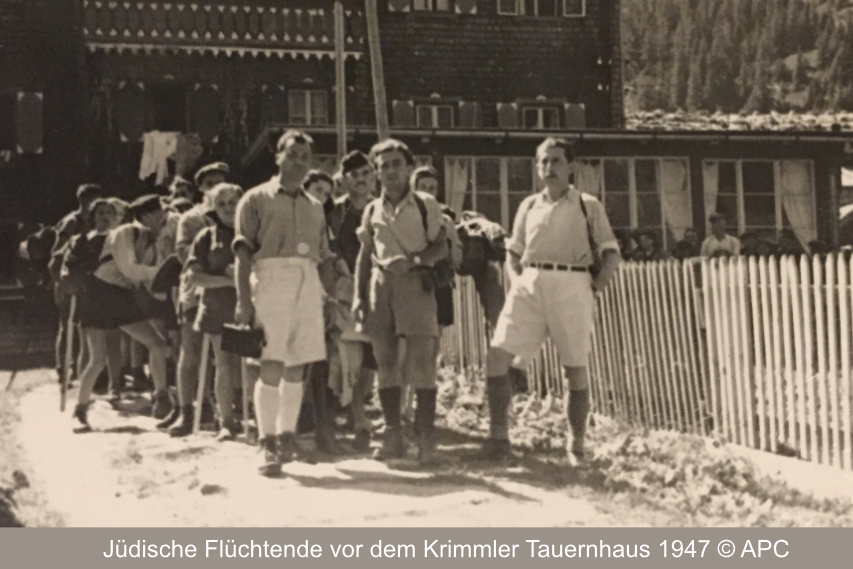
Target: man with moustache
[(402, 236), (359, 180), (283, 266), (556, 235), (189, 225)]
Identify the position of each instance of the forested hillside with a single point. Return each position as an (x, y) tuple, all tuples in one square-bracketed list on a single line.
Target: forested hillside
[(738, 55)]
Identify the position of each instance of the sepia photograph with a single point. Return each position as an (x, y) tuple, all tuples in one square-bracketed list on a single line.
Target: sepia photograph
[(426, 263)]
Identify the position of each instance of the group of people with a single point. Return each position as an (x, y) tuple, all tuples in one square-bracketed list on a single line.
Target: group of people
[(350, 280), (643, 245)]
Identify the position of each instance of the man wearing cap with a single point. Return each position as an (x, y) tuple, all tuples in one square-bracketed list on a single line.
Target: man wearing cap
[(181, 189), (402, 236), (190, 224), (122, 265), (720, 243), (556, 235), (359, 180), (283, 266)]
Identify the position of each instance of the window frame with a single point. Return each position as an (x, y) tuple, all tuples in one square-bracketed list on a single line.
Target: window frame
[(779, 207), (308, 98), (540, 122), (562, 10), (434, 108), (633, 199), (432, 7), (566, 14)]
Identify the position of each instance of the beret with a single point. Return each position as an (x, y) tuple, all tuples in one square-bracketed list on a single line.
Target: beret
[(353, 161), (145, 204), (216, 167)]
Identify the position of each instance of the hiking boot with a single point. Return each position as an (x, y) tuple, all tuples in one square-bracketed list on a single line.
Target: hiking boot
[(327, 443), (185, 427), (426, 449), (494, 450), (229, 431), (171, 419), (81, 412), (162, 404), (208, 414), (393, 445), (141, 382), (272, 464), (361, 440), (287, 449)]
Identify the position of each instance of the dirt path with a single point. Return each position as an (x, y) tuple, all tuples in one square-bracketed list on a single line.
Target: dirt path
[(128, 474)]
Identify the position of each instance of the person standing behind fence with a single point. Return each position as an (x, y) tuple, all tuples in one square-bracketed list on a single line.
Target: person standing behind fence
[(283, 266), (720, 243), (210, 268), (190, 225), (402, 237), (557, 235)]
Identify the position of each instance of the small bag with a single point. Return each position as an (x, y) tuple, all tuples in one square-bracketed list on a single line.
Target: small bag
[(243, 341)]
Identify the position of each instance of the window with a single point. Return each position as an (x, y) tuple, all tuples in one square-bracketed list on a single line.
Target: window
[(762, 196), (508, 7), (647, 194), (541, 118), (431, 5), (308, 108), (169, 107), (435, 116), (574, 8), (492, 186)]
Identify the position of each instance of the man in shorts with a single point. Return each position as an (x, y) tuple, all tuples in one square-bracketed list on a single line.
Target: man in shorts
[(283, 266), (553, 295), (402, 236)]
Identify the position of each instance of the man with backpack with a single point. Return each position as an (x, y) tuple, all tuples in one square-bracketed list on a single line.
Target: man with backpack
[(564, 252), (402, 239)]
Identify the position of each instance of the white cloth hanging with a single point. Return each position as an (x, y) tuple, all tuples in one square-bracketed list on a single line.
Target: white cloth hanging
[(158, 147)]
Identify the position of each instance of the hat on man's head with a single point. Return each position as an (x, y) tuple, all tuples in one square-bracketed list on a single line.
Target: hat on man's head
[(144, 205), (353, 161), (215, 168)]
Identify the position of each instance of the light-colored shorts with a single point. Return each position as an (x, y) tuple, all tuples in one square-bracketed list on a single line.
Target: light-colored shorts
[(548, 304), (288, 298)]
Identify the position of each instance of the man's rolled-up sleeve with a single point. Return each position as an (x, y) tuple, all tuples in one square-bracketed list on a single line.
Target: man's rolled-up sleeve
[(602, 232), (247, 225), (517, 242), (124, 255)]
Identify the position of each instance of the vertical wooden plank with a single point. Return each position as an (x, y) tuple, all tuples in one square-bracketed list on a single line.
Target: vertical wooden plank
[(651, 351), (748, 381), (629, 342), (808, 345), (700, 342), (722, 348), (845, 278), (715, 368), (658, 344), (792, 269), (820, 327), (643, 369), (738, 378), (673, 361), (758, 337), (790, 360), (770, 340), (832, 317), (611, 350), (684, 352), (727, 315)]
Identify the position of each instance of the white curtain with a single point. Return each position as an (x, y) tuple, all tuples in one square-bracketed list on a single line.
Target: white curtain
[(590, 177), (711, 179), (456, 177), (798, 199), (675, 196)]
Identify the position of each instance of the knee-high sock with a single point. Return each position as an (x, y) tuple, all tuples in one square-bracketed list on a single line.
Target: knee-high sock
[(499, 392), (390, 399), (266, 408), (425, 410), (289, 405), (577, 415)]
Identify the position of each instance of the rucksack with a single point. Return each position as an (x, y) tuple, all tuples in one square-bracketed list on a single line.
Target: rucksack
[(81, 260), (483, 241)]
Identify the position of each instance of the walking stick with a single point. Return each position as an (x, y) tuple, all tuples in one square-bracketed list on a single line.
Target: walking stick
[(69, 354), (202, 379)]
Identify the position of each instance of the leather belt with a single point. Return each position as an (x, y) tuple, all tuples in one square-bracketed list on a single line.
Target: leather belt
[(556, 267)]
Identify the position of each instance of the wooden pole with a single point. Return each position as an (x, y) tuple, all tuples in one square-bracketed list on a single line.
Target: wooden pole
[(340, 80), (372, 17)]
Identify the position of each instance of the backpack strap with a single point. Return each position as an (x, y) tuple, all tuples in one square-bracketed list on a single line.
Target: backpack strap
[(590, 238), (423, 210)]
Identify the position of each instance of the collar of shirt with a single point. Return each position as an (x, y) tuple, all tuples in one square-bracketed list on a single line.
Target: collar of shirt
[(408, 199), (571, 194), (275, 181)]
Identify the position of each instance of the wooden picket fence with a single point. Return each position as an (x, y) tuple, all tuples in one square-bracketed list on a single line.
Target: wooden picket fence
[(754, 351)]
